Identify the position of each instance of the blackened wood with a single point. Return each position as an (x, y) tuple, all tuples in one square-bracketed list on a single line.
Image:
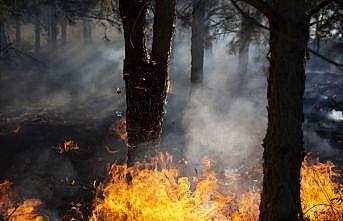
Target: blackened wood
[(283, 144), (145, 80), (198, 41)]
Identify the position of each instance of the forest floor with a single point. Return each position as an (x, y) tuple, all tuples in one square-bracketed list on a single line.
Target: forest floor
[(42, 107)]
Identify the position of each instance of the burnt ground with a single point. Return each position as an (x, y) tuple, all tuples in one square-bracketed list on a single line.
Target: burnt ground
[(72, 97)]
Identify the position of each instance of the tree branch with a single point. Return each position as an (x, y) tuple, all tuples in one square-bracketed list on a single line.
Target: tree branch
[(251, 19), (332, 18), (264, 8), (325, 58), (318, 7)]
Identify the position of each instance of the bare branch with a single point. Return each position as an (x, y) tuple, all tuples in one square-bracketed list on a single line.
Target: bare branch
[(325, 58), (332, 18), (247, 16), (263, 8), (318, 7)]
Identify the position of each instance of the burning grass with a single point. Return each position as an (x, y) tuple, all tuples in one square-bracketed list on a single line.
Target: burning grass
[(158, 191), (321, 197), (10, 210), (163, 194)]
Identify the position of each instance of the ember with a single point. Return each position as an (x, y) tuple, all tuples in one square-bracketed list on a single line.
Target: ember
[(119, 128), (68, 146)]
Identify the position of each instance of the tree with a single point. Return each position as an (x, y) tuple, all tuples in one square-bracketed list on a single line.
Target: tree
[(52, 25), (87, 31), (146, 79), (283, 145), (198, 40)]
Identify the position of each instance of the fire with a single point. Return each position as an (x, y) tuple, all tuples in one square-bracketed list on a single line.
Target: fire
[(322, 198), (119, 128), (12, 211), (163, 194), (68, 146), (160, 194), (158, 191)]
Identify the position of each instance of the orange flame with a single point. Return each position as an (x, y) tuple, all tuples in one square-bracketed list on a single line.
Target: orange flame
[(119, 128), (163, 194), (68, 146), (24, 211), (321, 197)]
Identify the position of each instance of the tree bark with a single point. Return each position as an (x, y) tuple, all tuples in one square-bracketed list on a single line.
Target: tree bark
[(145, 80), (87, 31), (243, 62), (64, 32), (17, 31), (243, 55), (3, 38), (198, 41), (243, 50), (37, 34), (52, 31), (283, 144)]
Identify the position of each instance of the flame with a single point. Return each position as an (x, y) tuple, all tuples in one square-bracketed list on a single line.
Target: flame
[(11, 211), (157, 191), (68, 146), (119, 128), (163, 194), (159, 194), (321, 197)]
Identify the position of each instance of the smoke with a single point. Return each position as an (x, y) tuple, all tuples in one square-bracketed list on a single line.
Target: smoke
[(224, 120), (219, 120)]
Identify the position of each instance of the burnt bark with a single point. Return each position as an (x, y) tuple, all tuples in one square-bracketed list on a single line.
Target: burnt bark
[(52, 26), (64, 32), (17, 31), (198, 41), (87, 31), (3, 38), (243, 60), (283, 144), (37, 34), (145, 80)]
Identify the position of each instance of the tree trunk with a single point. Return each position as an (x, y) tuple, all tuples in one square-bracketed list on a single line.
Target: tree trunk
[(243, 62), (244, 44), (145, 81), (37, 34), (3, 38), (17, 31), (64, 32), (52, 31), (198, 41), (87, 31), (283, 144)]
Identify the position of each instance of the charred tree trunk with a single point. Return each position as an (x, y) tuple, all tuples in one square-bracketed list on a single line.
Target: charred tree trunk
[(243, 61), (243, 55), (145, 81), (87, 31), (283, 144), (64, 32), (52, 30), (198, 41), (3, 38), (243, 50), (17, 31), (37, 34)]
